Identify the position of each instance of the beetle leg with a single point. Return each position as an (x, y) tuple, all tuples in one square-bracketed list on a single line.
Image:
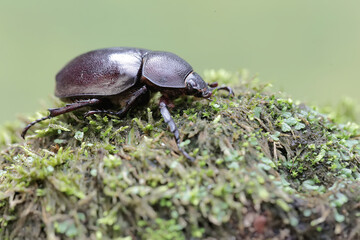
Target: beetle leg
[(226, 88), (136, 96), (170, 122), (92, 112), (129, 104), (58, 111), (214, 86)]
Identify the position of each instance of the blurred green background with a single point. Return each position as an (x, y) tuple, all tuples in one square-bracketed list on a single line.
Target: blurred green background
[(310, 49)]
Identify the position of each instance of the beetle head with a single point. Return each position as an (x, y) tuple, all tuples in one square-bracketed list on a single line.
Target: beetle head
[(197, 86)]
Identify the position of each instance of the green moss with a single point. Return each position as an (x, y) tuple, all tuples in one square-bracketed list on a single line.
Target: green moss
[(265, 167)]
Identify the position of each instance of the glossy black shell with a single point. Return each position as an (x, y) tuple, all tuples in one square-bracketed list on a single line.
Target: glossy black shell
[(166, 69), (111, 71)]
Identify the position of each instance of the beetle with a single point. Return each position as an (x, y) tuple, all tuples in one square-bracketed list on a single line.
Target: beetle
[(123, 77)]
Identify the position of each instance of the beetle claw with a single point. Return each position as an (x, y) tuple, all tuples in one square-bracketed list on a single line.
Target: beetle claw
[(186, 154)]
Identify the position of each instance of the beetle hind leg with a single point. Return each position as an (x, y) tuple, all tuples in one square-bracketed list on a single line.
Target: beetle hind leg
[(23, 133), (58, 111)]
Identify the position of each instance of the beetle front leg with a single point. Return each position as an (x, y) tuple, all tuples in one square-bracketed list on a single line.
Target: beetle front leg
[(214, 86), (170, 122)]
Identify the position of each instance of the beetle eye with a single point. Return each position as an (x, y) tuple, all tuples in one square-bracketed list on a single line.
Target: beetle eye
[(192, 85), (188, 86)]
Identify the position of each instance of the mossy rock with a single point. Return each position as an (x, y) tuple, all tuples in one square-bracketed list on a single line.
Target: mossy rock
[(266, 168)]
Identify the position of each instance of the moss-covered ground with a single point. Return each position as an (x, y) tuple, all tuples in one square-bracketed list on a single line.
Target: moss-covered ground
[(266, 168)]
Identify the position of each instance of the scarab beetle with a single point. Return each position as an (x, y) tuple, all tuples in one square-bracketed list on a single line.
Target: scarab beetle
[(111, 78)]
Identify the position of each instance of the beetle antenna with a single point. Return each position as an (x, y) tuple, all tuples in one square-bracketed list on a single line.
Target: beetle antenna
[(23, 133)]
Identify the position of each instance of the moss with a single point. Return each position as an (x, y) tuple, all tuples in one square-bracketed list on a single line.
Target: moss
[(266, 167)]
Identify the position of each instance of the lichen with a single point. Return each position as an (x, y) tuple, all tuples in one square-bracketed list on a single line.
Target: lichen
[(266, 167)]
